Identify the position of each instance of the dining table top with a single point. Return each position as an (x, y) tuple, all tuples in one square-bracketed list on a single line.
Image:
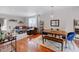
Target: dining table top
[(57, 32)]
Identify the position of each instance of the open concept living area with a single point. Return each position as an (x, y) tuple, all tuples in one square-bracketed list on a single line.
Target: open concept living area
[(39, 28)]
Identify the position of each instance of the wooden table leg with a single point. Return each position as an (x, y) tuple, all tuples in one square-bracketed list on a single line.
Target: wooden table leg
[(11, 46), (43, 40), (61, 46), (15, 45)]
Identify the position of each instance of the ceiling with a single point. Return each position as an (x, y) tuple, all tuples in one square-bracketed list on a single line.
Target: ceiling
[(24, 10)]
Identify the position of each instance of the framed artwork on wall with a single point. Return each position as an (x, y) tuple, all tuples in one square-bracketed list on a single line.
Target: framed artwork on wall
[(54, 23)]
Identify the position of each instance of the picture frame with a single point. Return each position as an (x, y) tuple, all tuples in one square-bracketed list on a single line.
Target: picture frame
[(54, 23)]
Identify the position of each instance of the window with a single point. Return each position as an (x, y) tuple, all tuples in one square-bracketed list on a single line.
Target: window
[(32, 22), (4, 27)]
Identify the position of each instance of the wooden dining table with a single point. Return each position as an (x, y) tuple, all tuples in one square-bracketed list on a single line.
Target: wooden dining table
[(55, 32), (56, 35)]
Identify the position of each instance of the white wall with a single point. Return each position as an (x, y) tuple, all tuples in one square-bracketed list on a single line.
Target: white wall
[(66, 15), (46, 19)]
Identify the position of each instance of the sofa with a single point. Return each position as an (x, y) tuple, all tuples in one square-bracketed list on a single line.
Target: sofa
[(20, 29)]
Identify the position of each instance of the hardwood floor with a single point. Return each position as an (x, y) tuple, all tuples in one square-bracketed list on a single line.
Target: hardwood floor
[(26, 45), (77, 43)]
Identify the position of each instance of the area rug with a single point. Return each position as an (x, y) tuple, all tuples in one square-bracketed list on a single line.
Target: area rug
[(48, 45), (56, 46)]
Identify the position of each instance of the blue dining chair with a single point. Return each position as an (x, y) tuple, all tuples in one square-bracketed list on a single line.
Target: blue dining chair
[(70, 38)]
